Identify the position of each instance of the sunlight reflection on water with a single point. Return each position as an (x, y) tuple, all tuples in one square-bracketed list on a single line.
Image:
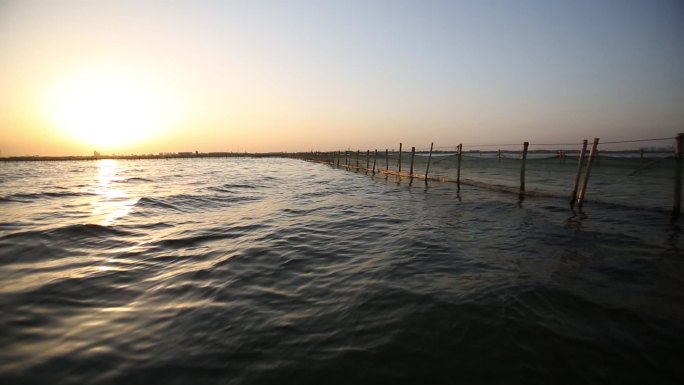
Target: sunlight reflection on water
[(110, 203)]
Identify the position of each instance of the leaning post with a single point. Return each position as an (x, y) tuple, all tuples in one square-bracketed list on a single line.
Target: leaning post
[(427, 169), (580, 163), (592, 155)]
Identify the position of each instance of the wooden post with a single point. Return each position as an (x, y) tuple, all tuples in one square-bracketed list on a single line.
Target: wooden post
[(386, 162), (413, 155), (375, 160), (677, 204), (580, 163), (522, 168), (346, 159), (400, 158), (427, 169), (458, 169), (367, 160), (357, 160), (592, 155)]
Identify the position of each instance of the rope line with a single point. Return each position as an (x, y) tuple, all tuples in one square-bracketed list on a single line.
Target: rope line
[(555, 144), (471, 146), (492, 145), (635, 141), (539, 144)]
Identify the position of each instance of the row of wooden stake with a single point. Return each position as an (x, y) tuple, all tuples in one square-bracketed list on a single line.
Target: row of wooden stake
[(578, 191)]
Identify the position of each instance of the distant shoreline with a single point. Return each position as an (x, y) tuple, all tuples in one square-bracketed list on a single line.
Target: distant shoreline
[(27, 158), (136, 157)]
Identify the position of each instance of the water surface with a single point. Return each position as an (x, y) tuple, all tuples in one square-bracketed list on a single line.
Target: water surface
[(242, 271)]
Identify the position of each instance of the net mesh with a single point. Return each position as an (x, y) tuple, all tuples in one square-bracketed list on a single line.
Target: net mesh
[(641, 176)]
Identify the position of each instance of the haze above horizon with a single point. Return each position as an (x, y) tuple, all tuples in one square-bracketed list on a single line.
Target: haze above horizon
[(260, 76)]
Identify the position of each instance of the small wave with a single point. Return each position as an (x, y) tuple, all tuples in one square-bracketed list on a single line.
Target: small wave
[(31, 197), (24, 198), (224, 200), (81, 231), (149, 226), (191, 203), (231, 187), (88, 230), (219, 189), (134, 180), (208, 236), (38, 245), (187, 202), (8, 225), (65, 194), (154, 203)]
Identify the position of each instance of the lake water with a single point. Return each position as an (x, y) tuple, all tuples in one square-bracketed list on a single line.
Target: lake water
[(279, 271)]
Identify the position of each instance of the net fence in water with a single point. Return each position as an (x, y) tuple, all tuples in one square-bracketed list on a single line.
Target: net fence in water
[(643, 177), (631, 181)]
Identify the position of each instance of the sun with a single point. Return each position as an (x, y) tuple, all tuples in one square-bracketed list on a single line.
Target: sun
[(109, 108)]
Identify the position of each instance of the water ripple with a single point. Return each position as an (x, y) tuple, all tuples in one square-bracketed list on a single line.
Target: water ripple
[(237, 271)]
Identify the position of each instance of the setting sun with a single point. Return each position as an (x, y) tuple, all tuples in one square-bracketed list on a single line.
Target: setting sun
[(109, 108)]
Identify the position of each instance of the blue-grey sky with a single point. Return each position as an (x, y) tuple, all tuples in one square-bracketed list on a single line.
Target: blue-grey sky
[(300, 75)]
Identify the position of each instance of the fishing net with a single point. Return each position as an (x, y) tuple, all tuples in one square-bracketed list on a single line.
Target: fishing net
[(638, 174)]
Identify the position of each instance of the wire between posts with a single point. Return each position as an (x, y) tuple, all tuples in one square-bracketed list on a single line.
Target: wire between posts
[(636, 141), (421, 149), (556, 144)]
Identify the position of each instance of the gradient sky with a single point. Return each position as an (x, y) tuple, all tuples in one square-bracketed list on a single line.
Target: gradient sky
[(301, 75)]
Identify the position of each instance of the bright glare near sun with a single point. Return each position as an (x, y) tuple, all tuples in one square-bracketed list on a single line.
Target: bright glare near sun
[(110, 108)]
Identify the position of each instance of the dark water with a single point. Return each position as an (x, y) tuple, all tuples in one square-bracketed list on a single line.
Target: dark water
[(272, 271)]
